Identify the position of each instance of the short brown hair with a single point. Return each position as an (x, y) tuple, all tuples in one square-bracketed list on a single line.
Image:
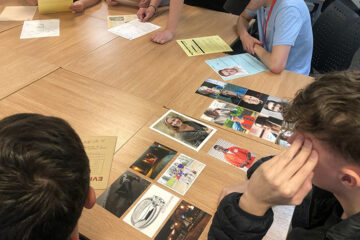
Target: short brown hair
[(329, 109), (44, 178)]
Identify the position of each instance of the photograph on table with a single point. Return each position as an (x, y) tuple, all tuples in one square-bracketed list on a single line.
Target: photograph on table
[(122, 193), (151, 210), (186, 223), (181, 174), (153, 160), (210, 88), (183, 129), (235, 66), (232, 94), (234, 155), (253, 100), (241, 119), (283, 138), (273, 107), (218, 112), (266, 127)]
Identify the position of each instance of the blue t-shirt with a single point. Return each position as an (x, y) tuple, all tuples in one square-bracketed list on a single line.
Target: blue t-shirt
[(289, 24)]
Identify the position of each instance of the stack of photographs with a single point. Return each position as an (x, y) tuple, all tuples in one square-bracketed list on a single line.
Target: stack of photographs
[(246, 110)]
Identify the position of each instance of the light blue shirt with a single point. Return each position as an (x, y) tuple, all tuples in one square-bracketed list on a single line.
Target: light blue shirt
[(289, 24)]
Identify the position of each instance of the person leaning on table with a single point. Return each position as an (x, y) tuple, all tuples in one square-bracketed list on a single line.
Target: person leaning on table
[(320, 172), (286, 39)]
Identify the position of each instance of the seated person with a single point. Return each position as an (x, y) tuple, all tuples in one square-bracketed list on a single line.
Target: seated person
[(44, 178), (286, 39), (77, 6), (324, 152), (147, 9)]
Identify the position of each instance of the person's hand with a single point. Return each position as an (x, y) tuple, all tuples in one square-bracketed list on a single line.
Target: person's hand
[(112, 2), (77, 6), (240, 188), (32, 2), (144, 14), (283, 180), (249, 43), (162, 36)]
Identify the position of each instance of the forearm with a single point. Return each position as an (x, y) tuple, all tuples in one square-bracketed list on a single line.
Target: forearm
[(175, 10), (155, 3), (276, 60), (242, 26)]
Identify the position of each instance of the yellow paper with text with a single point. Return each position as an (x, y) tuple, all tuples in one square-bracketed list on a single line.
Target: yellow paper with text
[(204, 45), (51, 6), (100, 151)]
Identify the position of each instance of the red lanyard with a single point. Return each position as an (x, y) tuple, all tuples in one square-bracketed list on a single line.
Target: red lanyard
[(267, 20)]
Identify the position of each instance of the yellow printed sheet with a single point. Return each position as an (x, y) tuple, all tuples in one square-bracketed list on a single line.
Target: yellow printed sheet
[(51, 6), (204, 45), (100, 151), (117, 20)]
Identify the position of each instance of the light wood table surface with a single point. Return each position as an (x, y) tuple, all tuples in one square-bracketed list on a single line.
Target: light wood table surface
[(148, 70), (89, 106), (79, 35), (284, 85), (98, 223), (5, 25)]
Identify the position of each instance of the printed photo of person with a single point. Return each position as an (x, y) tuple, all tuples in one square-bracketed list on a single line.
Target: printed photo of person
[(241, 119), (183, 129), (274, 107), (232, 94), (210, 88), (282, 140), (232, 154), (233, 71), (122, 193), (218, 112), (153, 160), (253, 100), (266, 127), (186, 223)]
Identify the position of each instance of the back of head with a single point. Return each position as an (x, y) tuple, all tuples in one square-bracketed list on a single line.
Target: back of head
[(44, 178), (329, 109)]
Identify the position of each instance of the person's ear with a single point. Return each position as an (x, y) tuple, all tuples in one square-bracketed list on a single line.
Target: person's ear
[(350, 178), (91, 199)]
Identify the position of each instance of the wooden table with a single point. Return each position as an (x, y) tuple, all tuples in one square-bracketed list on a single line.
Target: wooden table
[(106, 85), (98, 223)]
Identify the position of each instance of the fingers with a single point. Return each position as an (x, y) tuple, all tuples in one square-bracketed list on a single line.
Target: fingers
[(303, 190), (286, 156), (299, 178), (292, 138), (148, 15)]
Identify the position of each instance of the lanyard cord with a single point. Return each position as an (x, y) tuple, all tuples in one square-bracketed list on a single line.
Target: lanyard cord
[(267, 20)]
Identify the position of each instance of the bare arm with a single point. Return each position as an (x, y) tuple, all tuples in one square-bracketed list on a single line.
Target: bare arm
[(276, 60), (247, 40), (168, 34), (32, 2), (81, 5)]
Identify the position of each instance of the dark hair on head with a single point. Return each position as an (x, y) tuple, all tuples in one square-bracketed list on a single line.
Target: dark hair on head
[(329, 109), (44, 178), (271, 101), (216, 146), (221, 73)]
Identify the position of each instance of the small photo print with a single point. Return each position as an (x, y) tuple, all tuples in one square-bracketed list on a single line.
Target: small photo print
[(232, 154), (241, 119), (282, 140), (122, 193), (231, 72), (183, 129), (274, 107), (253, 100), (210, 88), (218, 112), (186, 223), (232, 94), (153, 160), (181, 174), (151, 210), (266, 127)]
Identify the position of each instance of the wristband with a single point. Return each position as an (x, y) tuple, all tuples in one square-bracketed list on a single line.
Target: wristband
[(155, 8)]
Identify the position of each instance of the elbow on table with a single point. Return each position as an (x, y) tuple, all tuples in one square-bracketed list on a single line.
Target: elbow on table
[(277, 67)]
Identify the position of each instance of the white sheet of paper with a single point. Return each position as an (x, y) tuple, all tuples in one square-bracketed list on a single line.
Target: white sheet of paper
[(134, 29), (40, 28), (18, 13)]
